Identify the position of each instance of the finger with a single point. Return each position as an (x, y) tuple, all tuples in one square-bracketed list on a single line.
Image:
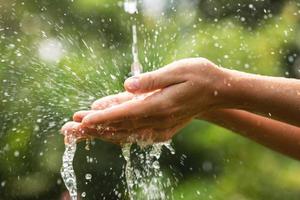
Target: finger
[(125, 137), (66, 127), (78, 116), (162, 122), (72, 132), (174, 98), (116, 136), (112, 100), (103, 104), (129, 110), (140, 108), (159, 79)]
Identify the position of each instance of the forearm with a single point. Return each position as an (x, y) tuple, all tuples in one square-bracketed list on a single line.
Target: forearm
[(277, 98), (276, 135)]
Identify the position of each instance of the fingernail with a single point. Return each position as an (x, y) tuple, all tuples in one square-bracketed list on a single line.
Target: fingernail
[(133, 83)]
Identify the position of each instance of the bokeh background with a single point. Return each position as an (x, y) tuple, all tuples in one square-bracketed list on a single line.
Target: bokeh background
[(58, 56)]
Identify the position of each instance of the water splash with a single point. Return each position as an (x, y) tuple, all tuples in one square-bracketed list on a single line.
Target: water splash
[(128, 170), (136, 67), (130, 6), (144, 177), (142, 169), (67, 170)]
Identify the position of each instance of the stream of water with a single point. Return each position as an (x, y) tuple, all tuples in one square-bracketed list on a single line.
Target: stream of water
[(67, 170), (130, 6), (142, 169), (144, 176)]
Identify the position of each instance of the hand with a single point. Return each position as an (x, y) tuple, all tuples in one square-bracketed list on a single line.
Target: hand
[(109, 133), (75, 130), (175, 95)]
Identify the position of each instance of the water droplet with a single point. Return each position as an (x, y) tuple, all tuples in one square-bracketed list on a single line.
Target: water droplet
[(16, 153), (83, 194), (51, 50), (130, 6), (3, 183), (88, 177)]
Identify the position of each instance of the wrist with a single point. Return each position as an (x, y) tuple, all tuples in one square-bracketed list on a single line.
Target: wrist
[(222, 87), (238, 88), (232, 87)]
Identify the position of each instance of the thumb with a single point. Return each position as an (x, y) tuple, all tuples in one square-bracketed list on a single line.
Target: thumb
[(151, 81)]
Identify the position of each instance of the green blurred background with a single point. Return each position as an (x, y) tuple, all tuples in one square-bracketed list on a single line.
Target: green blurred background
[(58, 56)]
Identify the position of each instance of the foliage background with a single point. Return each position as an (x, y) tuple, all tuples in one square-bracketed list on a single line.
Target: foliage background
[(94, 37)]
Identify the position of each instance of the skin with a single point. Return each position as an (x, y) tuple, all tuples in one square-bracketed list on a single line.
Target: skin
[(159, 103), (276, 135)]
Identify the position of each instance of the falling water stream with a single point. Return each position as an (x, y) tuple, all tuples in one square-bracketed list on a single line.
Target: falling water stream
[(67, 170), (142, 170)]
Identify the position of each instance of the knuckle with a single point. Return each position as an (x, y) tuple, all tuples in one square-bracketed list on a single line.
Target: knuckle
[(103, 102), (181, 70), (206, 63), (96, 104), (201, 59), (149, 82)]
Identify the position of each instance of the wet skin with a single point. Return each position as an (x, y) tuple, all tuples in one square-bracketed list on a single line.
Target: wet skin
[(156, 105)]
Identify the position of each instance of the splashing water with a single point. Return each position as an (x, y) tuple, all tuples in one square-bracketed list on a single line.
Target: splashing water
[(136, 67), (130, 6), (67, 170), (128, 169), (144, 177), (142, 169)]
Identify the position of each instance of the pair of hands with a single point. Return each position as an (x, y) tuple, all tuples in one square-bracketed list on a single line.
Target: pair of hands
[(155, 106)]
